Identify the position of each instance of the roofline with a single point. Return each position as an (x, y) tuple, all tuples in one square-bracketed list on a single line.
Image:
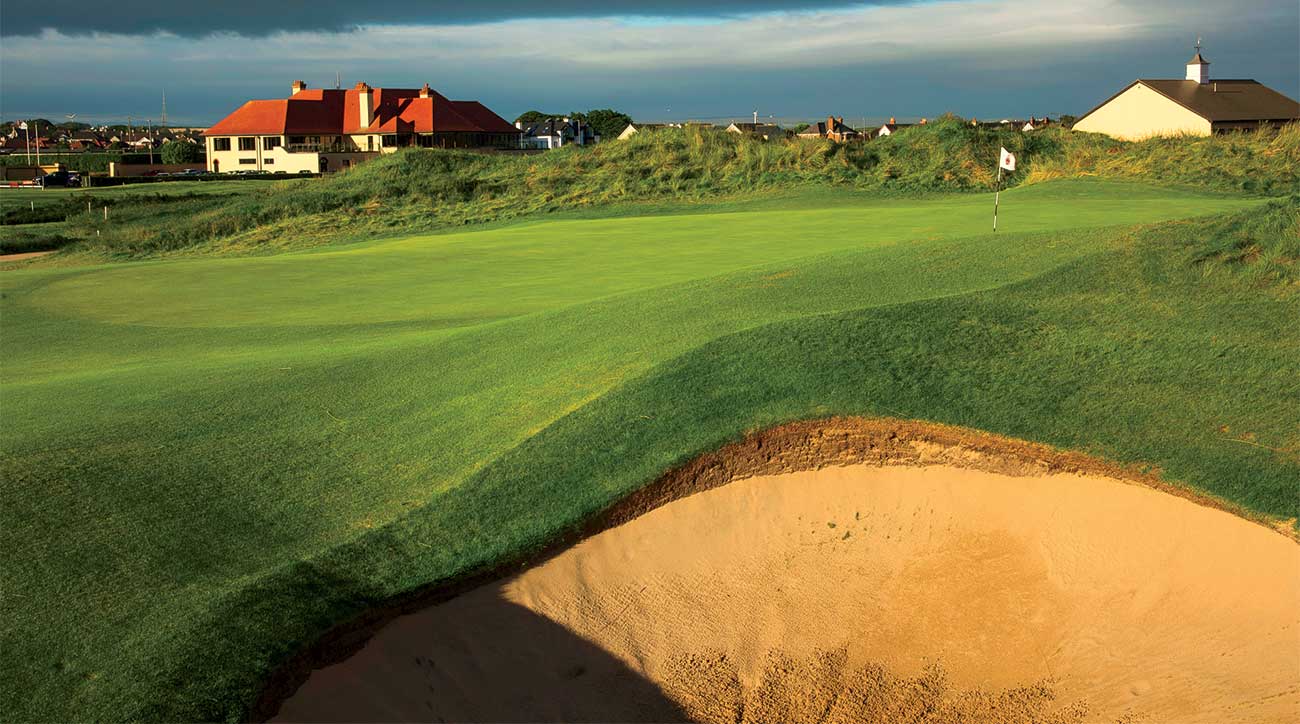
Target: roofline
[(1143, 81), (1097, 107), (1175, 100)]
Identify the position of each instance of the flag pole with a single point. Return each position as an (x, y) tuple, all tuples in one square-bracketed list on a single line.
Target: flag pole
[(997, 193)]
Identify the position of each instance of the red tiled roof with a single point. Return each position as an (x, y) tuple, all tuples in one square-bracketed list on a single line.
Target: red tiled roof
[(395, 110), (254, 117), (481, 116)]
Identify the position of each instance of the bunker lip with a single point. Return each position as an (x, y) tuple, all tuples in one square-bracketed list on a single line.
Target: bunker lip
[(794, 447)]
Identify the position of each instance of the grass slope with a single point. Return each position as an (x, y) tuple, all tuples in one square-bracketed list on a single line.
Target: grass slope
[(422, 190), (208, 462)]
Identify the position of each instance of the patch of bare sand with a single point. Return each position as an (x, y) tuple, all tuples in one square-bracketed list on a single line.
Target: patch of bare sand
[(23, 256), (863, 593)]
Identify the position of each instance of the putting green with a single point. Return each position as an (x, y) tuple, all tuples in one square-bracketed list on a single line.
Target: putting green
[(188, 442), (463, 279)]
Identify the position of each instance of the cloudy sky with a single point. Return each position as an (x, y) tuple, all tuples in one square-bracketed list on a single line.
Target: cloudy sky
[(655, 59)]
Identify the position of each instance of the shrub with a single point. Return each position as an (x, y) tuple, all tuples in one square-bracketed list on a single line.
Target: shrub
[(181, 152)]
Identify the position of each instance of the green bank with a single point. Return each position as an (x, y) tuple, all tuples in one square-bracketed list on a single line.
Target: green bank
[(207, 462)]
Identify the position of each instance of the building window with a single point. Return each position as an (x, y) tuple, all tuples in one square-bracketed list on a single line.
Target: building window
[(390, 141), (370, 143), (248, 144), (268, 161), (221, 144), (270, 142), (247, 161)]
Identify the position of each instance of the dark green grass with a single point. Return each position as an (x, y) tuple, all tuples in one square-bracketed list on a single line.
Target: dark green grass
[(55, 218), (193, 489)]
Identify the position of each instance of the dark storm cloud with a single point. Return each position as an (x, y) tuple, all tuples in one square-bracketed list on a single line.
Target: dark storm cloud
[(264, 17)]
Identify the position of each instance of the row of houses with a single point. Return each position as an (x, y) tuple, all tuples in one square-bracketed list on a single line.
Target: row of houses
[(833, 128), (1195, 104), (317, 130), (93, 139)]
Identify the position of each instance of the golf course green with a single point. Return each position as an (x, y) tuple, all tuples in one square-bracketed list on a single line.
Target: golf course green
[(207, 462)]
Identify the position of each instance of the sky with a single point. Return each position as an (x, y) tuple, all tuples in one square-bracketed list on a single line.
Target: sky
[(653, 59)]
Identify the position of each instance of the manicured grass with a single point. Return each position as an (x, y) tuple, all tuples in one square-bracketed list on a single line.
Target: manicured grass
[(208, 462)]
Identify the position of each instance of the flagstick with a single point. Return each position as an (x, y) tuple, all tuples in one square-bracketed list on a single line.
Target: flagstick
[(996, 194)]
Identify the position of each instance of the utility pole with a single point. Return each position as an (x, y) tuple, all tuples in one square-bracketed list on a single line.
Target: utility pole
[(38, 143), (149, 136)]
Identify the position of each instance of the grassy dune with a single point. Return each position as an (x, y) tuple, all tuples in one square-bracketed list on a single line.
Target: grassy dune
[(207, 462), (415, 191)]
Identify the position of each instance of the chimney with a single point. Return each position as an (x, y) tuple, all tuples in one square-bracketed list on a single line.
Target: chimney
[(892, 121), (297, 86), (366, 112), (424, 92), (519, 125)]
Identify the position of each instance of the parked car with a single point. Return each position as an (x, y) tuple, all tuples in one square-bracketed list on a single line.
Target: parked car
[(60, 178)]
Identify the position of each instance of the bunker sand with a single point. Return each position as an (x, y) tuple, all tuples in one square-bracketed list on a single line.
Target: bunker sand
[(980, 592)]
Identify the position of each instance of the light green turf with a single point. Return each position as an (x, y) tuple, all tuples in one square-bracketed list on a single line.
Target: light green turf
[(180, 435)]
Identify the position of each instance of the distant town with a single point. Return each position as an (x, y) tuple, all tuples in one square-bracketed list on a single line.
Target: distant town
[(323, 130)]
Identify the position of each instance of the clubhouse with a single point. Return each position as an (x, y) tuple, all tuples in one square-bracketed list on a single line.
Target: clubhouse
[(317, 130)]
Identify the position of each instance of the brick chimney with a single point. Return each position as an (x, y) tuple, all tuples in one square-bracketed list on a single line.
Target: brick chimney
[(424, 92), (298, 86), (364, 101)]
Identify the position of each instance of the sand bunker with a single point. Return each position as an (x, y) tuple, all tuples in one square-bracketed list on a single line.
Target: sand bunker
[(862, 593)]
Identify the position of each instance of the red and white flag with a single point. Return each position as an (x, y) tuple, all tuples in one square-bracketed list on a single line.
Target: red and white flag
[(1008, 160)]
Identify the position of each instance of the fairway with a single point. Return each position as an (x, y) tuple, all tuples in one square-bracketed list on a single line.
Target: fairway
[(208, 462)]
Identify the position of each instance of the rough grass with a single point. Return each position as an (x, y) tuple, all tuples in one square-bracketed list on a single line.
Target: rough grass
[(208, 462), (419, 190)]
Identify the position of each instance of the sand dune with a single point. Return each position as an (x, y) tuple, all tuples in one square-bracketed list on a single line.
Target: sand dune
[(863, 592)]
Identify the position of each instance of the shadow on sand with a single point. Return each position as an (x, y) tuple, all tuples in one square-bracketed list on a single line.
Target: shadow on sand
[(485, 660)]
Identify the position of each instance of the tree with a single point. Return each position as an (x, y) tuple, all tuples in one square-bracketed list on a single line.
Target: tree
[(535, 116), (607, 122), (181, 152), (801, 128)]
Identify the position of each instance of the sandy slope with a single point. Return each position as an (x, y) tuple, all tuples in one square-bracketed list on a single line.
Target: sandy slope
[(863, 592)]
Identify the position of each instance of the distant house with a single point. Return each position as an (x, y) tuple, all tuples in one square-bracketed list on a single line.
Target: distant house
[(833, 128), (891, 128), (765, 131), (141, 141), (331, 129), (1195, 105), (635, 128), (557, 132), (86, 141), (1034, 124)]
